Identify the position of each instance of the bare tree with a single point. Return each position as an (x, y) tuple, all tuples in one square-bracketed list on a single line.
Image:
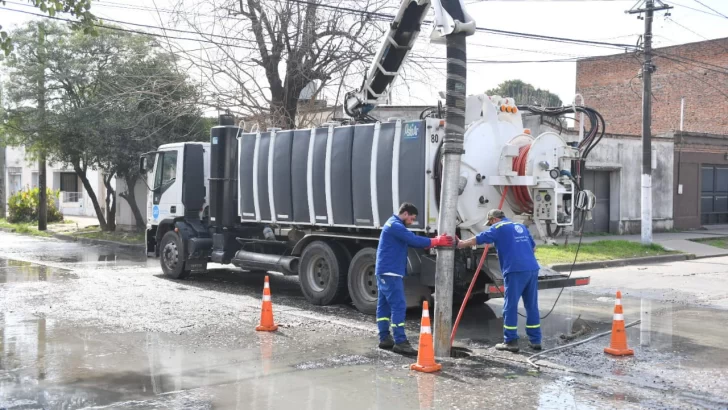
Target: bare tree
[(266, 52)]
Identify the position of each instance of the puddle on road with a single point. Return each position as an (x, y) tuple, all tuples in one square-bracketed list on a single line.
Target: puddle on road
[(44, 364), (62, 252), (694, 336), (19, 271)]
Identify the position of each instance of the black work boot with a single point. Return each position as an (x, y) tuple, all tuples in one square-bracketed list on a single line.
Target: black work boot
[(387, 343), (534, 346), (511, 346), (404, 348)]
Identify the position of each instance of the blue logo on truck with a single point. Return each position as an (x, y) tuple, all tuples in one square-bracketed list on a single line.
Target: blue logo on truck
[(155, 211), (411, 130)]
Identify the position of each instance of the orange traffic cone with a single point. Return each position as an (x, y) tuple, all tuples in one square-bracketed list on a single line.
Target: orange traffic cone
[(618, 346), (426, 354), (266, 314)]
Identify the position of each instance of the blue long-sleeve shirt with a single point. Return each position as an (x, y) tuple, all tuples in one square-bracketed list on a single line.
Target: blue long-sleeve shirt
[(393, 243), (514, 244)]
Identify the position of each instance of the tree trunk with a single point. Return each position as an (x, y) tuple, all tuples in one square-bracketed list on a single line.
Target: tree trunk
[(130, 198), (110, 203), (91, 194)]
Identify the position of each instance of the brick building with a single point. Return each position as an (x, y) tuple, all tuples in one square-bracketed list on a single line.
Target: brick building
[(696, 71), (696, 176)]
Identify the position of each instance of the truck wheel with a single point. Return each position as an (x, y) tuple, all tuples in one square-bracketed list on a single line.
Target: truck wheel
[(322, 273), (363, 281), (171, 256)]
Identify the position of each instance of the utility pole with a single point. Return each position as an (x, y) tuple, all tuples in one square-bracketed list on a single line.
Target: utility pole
[(3, 182), (452, 149), (42, 192), (647, 69)]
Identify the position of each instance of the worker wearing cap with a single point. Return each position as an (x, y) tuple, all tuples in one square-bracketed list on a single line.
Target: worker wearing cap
[(518, 263), (391, 267)]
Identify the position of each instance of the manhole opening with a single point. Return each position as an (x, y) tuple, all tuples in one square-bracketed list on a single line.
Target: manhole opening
[(460, 352)]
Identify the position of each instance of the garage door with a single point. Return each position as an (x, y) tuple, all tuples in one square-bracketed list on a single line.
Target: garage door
[(713, 195), (598, 183)]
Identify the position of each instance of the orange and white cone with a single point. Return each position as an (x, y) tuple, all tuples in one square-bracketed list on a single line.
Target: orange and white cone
[(618, 345), (266, 313), (426, 353)]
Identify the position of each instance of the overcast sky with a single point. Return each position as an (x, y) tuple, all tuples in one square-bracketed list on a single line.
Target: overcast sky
[(603, 20)]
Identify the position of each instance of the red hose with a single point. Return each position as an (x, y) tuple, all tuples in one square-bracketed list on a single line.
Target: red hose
[(475, 277), (523, 198)]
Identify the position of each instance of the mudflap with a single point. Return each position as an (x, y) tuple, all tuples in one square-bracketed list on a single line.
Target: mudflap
[(547, 279)]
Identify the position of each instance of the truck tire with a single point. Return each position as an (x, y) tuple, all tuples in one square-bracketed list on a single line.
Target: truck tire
[(171, 256), (363, 282), (322, 273)]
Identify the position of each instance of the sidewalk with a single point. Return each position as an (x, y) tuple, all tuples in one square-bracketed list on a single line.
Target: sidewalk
[(678, 241)]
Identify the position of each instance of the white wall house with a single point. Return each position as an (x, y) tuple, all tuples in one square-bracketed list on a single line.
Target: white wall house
[(73, 201), (124, 216)]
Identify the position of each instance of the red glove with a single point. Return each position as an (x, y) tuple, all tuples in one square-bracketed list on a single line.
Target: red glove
[(441, 240)]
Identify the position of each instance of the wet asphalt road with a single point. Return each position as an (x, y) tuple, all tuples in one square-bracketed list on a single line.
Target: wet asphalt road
[(88, 327)]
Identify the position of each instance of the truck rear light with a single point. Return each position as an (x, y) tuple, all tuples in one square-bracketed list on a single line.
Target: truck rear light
[(495, 289), (581, 282)]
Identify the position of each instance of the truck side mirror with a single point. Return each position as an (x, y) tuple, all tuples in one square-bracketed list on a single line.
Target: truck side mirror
[(145, 165)]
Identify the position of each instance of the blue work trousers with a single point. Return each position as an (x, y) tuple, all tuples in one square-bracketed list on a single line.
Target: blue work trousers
[(391, 307), (521, 284)]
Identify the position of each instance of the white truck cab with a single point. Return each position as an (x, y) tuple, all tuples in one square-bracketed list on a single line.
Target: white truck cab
[(172, 169)]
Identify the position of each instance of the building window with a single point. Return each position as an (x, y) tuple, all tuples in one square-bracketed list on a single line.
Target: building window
[(69, 182), (15, 179), (34, 179)]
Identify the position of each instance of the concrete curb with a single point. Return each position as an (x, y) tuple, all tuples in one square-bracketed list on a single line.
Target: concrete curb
[(623, 262), (122, 245)]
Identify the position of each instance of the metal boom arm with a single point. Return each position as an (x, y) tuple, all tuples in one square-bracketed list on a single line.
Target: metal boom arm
[(397, 44)]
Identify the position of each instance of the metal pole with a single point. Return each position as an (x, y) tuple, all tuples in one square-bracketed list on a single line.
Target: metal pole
[(679, 152), (452, 149), (647, 69), (42, 193)]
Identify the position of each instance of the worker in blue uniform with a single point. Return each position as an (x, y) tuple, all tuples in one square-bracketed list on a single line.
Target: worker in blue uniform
[(516, 249), (391, 267)]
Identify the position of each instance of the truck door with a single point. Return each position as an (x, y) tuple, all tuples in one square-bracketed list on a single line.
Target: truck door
[(166, 198)]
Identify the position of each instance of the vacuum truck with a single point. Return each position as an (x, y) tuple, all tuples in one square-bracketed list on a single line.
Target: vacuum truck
[(312, 202)]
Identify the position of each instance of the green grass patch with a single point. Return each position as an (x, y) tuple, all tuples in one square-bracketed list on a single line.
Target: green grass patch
[(597, 252), (23, 228), (134, 238), (717, 242)]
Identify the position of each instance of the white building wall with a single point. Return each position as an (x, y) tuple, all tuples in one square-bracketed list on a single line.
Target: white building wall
[(77, 204), (124, 215)]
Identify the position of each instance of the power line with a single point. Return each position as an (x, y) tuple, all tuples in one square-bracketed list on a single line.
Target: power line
[(553, 38), (147, 26), (130, 30), (696, 9), (502, 32), (710, 8), (481, 29), (696, 63), (475, 61), (692, 31), (481, 61)]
